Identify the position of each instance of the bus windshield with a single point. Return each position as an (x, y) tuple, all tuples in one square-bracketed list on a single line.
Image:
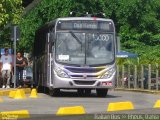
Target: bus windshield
[(84, 48)]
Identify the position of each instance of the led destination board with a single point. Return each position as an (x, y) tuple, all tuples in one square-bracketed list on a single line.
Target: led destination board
[(85, 25)]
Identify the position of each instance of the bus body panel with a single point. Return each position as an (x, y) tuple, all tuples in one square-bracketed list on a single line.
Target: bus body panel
[(91, 77)]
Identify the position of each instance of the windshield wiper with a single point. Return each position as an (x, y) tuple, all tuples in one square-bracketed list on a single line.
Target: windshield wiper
[(76, 38)]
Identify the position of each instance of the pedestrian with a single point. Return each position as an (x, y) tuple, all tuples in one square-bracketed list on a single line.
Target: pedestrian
[(0, 71), (6, 61), (25, 59), (20, 64), (0, 63), (30, 63)]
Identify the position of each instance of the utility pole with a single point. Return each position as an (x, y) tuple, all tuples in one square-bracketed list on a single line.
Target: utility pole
[(14, 56), (15, 35)]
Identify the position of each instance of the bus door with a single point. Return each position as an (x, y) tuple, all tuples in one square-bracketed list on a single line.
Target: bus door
[(49, 59)]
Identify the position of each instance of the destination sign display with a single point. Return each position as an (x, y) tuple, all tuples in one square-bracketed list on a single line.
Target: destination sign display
[(85, 25)]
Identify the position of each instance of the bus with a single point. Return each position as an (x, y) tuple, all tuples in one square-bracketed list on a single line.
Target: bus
[(76, 53)]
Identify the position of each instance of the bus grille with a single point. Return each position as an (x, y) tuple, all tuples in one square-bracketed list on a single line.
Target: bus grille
[(81, 76), (78, 82), (84, 70)]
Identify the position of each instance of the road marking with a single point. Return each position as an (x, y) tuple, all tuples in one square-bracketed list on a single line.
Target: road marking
[(71, 110), (8, 115), (117, 106)]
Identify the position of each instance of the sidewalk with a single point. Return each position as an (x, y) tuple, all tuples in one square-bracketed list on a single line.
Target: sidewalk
[(5, 92), (138, 90)]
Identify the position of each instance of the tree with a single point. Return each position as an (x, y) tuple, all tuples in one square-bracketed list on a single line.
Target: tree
[(10, 13), (137, 22), (48, 10)]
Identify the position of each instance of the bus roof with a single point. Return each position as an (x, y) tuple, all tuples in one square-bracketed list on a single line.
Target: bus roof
[(84, 18)]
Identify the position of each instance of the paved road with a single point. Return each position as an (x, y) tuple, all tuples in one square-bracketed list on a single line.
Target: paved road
[(46, 105)]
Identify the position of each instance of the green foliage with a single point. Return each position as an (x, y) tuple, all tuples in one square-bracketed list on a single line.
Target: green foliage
[(137, 22), (10, 13), (49, 10)]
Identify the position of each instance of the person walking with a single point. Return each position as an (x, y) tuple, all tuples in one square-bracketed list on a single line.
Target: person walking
[(6, 61), (0, 71), (20, 64)]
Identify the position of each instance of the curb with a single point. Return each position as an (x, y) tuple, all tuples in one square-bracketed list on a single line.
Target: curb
[(138, 90), (6, 92)]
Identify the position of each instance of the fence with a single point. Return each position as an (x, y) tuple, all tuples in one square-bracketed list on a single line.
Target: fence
[(138, 77)]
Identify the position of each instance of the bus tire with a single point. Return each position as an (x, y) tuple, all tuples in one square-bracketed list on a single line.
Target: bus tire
[(40, 89), (102, 92), (54, 92)]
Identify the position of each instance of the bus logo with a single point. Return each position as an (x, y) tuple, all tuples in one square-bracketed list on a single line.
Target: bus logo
[(84, 76)]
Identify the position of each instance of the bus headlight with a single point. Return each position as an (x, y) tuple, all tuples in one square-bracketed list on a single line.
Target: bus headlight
[(61, 73), (109, 73)]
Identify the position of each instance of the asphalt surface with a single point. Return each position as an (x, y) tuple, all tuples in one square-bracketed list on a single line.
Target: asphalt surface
[(45, 107)]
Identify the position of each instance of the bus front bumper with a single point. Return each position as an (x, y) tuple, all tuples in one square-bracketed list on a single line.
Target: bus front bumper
[(70, 83)]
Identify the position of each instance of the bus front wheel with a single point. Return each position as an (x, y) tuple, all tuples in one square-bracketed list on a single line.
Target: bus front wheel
[(54, 92), (102, 92)]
